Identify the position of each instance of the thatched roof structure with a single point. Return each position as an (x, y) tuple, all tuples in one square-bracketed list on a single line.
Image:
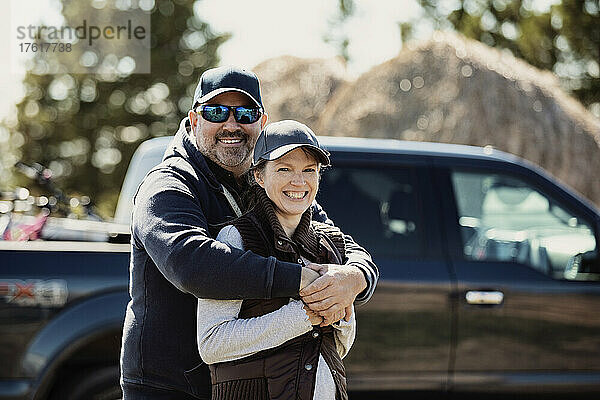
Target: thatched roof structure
[(456, 90), (297, 88), (449, 89)]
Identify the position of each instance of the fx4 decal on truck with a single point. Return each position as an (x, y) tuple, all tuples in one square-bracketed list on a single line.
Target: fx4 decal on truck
[(32, 293)]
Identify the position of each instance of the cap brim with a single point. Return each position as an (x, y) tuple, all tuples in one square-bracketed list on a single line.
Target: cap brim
[(283, 150), (207, 97)]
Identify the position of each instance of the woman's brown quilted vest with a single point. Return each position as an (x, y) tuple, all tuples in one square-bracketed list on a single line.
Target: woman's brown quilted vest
[(287, 371)]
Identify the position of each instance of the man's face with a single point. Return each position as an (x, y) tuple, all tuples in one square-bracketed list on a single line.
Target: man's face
[(229, 144)]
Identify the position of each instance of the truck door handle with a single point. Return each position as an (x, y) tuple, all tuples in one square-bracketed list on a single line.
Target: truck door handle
[(484, 297)]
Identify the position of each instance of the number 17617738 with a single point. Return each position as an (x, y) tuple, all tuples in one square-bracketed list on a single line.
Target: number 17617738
[(45, 47)]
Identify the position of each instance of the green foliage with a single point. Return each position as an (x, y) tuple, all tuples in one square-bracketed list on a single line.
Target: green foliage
[(581, 27), (335, 34), (85, 127), (563, 37)]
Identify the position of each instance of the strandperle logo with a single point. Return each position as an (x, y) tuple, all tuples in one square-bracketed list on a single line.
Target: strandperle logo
[(82, 32), (99, 37)]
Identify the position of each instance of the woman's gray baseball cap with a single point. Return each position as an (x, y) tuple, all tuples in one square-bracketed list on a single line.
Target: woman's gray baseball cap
[(279, 138), (219, 80)]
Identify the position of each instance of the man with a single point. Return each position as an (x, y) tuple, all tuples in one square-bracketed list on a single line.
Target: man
[(179, 208)]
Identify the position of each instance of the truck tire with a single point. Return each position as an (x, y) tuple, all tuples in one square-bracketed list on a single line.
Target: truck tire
[(94, 384)]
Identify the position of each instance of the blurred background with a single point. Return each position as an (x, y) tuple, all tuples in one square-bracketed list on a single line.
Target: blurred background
[(522, 76)]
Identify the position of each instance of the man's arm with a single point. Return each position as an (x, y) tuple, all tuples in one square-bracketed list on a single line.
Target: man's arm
[(356, 256), (169, 223)]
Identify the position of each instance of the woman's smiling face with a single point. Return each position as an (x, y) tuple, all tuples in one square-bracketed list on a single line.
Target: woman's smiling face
[(291, 182)]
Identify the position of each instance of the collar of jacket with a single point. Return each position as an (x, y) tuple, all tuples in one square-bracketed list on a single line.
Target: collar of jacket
[(183, 147), (304, 235), (224, 176)]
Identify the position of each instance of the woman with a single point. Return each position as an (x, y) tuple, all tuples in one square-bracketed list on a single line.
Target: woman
[(275, 349)]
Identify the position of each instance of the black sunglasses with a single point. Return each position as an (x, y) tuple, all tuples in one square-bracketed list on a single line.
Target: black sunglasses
[(220, 113)]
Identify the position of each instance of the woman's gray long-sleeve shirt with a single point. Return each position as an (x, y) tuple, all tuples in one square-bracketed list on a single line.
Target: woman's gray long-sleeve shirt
[(224, 337)]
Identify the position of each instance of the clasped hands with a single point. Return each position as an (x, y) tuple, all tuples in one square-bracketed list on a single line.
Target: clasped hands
[(328, 291)]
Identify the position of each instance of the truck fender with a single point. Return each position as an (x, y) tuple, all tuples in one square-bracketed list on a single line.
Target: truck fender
[(70, 330)]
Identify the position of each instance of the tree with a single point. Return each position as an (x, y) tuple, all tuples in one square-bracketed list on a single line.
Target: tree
[(85, 127), (581, 28), (563, 37), (335, 35)]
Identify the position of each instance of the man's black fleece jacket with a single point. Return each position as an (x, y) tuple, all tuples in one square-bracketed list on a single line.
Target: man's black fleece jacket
[(178, 210)]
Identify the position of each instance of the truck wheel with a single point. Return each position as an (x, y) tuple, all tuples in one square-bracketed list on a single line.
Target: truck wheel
[(95, 384)]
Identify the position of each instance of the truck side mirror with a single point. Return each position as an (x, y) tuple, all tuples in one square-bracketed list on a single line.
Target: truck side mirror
[(583, 267)]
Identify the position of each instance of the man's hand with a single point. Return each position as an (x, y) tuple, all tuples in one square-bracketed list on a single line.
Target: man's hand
[(333, 293)]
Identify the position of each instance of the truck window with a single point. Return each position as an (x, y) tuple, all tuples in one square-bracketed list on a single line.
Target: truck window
[(146, 157), (377, 207), (503, 218)]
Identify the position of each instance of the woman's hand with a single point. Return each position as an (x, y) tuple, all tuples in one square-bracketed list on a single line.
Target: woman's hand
[(313, 317), (307, 277)]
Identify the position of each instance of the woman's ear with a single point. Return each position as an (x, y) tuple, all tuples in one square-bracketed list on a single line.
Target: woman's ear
[(258, 178)]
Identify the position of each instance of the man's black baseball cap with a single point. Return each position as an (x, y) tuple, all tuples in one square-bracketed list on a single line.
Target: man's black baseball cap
[(279, 138), (219, 80)]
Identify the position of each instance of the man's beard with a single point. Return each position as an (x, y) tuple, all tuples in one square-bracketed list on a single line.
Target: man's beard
[(228, 156)]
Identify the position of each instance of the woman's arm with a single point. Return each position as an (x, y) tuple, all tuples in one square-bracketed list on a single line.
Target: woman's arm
[(224, 337)]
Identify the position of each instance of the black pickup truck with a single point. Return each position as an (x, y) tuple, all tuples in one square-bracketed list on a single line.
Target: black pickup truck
[(490, 280)]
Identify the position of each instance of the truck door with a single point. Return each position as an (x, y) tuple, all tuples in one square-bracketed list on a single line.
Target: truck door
[(403, 333), (528, 295)]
